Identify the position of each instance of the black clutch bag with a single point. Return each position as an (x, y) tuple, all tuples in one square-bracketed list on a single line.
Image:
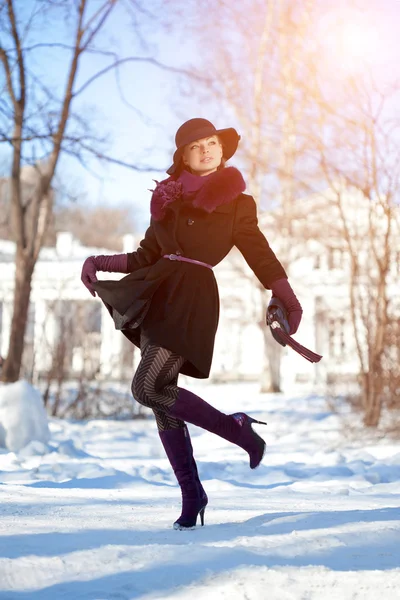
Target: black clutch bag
[(277, 321)]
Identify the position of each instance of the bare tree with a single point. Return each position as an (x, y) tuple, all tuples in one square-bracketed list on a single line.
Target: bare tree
[(349, 147), (363, 173), (38, 125), (258, 78), (306, 129)]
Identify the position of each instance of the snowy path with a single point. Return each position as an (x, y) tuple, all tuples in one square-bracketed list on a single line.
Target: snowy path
[(91, 518)]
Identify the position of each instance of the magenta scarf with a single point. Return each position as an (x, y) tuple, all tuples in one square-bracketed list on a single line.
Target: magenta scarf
[(208, 192), (191, 183)]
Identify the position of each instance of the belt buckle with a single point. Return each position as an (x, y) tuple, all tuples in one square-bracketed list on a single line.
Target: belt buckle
[(173, 257)]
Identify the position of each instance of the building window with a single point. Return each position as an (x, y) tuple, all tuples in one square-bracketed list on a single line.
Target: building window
[(93, 317), (337, 343), (78, 328), (79, 316), (336, 258)]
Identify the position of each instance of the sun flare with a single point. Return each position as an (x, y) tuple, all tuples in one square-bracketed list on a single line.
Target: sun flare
[(351, 44)]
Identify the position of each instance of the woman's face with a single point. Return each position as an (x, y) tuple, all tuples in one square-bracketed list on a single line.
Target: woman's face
[(203, 156)]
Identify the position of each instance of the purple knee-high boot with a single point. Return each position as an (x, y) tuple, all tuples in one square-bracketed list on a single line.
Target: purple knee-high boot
[(235, 428), (179, 450)]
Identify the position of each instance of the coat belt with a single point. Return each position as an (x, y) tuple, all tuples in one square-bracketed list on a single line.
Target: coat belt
[(189, 260)]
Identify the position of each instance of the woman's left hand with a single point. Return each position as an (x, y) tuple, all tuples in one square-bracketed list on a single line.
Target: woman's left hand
[(294, 318), (282, 289)]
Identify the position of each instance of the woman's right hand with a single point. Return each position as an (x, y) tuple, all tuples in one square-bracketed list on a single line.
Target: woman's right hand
[(88, 275)]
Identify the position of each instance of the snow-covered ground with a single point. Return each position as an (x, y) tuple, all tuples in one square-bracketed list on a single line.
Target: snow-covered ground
[(87, 515)]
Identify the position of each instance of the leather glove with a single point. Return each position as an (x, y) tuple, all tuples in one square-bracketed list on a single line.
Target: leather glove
[(282, 289), (116, 263)]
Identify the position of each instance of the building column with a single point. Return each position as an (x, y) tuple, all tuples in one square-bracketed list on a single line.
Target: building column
[(110, 348), (44, 336)]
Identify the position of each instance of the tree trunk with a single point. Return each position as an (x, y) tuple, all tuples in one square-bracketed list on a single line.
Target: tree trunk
[(372, 400), (23, 275), (270, 382), (372, 409)]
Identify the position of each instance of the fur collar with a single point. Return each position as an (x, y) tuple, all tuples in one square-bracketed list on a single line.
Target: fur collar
[(220, 188)]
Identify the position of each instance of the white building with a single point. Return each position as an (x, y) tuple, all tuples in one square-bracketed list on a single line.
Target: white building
[(64, 315)]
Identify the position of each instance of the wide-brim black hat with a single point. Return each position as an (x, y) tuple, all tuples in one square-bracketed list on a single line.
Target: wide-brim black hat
[(197, 129)]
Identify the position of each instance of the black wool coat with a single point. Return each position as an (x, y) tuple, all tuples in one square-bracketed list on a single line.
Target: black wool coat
[(176, 304)]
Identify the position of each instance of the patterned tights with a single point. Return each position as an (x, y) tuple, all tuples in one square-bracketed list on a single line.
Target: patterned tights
[(155, 383)]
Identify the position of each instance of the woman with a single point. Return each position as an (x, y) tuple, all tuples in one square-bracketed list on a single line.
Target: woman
[(168, 304)]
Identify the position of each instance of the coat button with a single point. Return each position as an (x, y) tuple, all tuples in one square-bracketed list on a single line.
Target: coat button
[(190, 221)]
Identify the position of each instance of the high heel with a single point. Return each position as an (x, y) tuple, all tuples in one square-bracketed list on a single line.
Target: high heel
[(249, 440), (179, 450), (188, 523), (255, 421)]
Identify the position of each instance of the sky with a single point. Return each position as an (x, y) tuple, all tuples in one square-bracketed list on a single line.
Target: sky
[(158, 97), (142, 134)]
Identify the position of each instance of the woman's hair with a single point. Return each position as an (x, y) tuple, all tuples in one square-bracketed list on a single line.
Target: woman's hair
[(222, 165), (223, 159)]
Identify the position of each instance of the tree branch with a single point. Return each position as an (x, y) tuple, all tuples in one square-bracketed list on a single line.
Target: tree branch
[(44, 203), (111, 159), (111, 5), (151, 61), (68, 92), (19, 111), (6, 64), (20, 56)]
